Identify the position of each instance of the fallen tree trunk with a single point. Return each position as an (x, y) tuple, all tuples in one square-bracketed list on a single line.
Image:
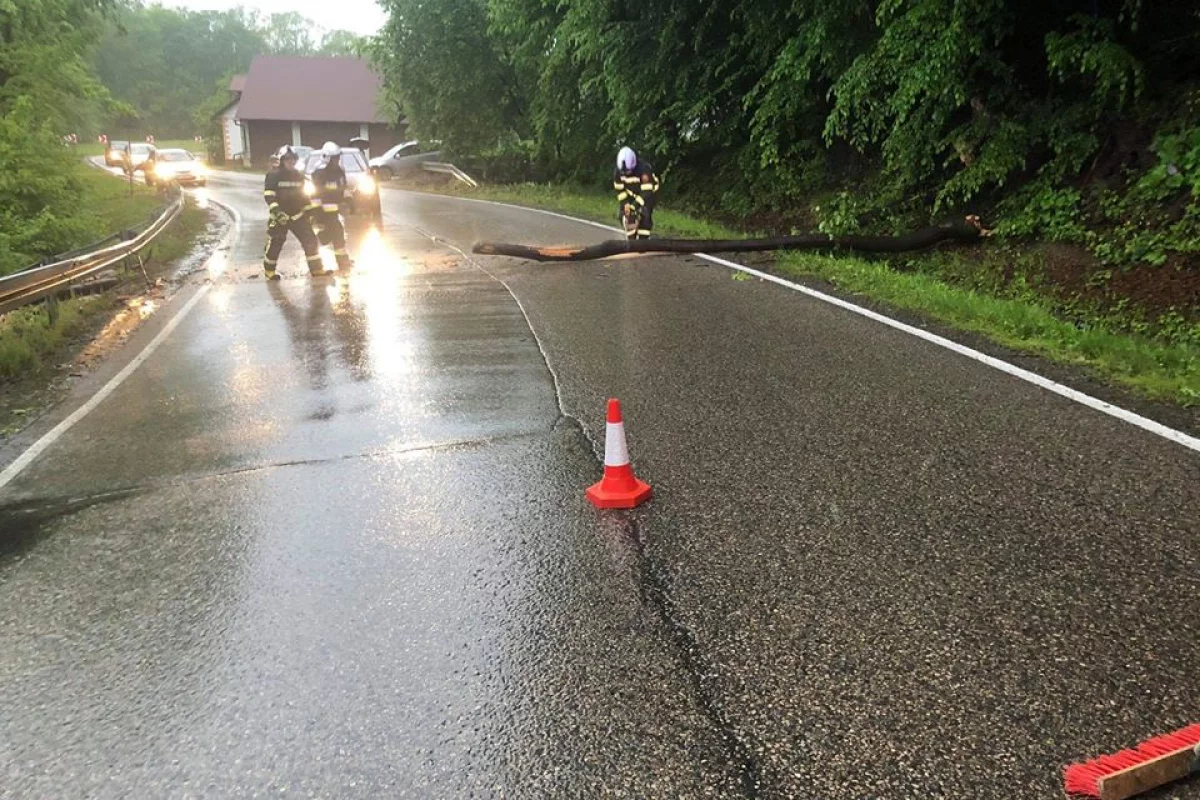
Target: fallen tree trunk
[(968, 230)]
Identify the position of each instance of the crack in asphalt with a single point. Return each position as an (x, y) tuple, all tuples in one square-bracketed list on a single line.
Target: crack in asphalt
[(653, 583), (563, 414), (657, 594)]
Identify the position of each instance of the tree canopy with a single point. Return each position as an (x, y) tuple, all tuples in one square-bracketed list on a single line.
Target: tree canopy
[(164, 63), (46, 91), (930, 104)]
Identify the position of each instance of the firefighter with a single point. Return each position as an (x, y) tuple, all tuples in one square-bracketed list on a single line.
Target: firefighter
[(636, 186), (329, 185), (289, 209)]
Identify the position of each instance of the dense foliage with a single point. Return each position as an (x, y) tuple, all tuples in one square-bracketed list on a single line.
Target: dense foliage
[(843, 113), (46, 90), (165, 63)]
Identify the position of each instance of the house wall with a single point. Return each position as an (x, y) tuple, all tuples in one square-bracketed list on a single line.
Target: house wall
[(267, 136), (231, 134), (315, 134)]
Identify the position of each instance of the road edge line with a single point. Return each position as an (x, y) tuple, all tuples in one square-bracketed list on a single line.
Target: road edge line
[(9, 473), (1094, 403)]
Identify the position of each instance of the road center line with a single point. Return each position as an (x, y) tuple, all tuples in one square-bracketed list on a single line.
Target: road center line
[(228, 244), (1123, 414)]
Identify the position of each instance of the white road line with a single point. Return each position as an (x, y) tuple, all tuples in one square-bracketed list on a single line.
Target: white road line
[(1123, 414), (54, 434)]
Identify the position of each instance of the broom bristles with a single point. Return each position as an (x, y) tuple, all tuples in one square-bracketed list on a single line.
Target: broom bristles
[(1084, 779)]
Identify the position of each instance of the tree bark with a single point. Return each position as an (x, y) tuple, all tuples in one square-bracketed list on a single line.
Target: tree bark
[(966, 230)]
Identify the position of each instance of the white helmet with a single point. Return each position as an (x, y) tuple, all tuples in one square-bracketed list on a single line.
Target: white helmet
[(626, 159), (330, 149)]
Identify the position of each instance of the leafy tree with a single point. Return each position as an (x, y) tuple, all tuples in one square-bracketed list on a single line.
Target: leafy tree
[(46, 90), (43, 48), (289, 33), (341, 43), (760, 104), (444, 71), (164, 62)]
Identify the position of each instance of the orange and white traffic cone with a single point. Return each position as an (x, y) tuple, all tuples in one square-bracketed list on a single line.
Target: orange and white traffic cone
[(619, 488)]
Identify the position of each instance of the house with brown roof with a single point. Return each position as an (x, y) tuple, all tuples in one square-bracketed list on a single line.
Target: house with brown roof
[(309, 101)]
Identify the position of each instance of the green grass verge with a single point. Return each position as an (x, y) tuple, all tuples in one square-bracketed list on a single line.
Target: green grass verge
[(27, 338), (27, 335), (1161, 370), (109, 200)]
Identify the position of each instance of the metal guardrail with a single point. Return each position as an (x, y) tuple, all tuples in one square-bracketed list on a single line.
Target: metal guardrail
[(37, 283), (449, 169)]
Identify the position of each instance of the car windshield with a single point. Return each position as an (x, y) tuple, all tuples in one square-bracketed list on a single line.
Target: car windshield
[(352, 161), (406, 149), (175, 155), (141, 149)]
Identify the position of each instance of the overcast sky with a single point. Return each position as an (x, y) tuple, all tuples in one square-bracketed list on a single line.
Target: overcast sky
[(360, 16)]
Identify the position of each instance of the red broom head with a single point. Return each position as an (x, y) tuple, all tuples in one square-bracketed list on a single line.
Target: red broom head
[(1084, 779)]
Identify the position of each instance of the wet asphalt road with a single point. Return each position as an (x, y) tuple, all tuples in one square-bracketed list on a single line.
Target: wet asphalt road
[(330, 541)]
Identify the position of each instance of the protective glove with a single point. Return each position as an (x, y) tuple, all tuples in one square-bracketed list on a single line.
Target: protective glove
[(278, 217)]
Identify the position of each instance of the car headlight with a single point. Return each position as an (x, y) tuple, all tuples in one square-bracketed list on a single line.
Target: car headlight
[(200, 169), (309, 189), (166, 170), (366, 185)]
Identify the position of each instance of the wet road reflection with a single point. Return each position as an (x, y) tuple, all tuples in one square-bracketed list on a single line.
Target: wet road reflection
[(341, 552), (328, 325)]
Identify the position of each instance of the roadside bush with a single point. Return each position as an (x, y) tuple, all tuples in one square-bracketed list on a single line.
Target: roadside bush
[(41, 214)]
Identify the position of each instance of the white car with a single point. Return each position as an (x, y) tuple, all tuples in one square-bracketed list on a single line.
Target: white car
[(362, 193), (180, 166), (139, 154)]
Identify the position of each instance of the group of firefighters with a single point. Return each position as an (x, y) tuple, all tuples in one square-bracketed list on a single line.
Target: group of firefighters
[(291, 209)]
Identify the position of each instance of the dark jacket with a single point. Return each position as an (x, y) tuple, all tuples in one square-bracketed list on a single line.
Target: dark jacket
[(285, 188), (641, 184), (330, 183)]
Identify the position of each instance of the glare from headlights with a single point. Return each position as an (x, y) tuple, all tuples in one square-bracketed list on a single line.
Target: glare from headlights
[(200, 169), (366, 184), (309, 189), (165, 170)]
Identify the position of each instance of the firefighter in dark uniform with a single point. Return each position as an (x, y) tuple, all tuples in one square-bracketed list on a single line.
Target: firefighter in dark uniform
[(329, 183), (289, 209), (636, 186)]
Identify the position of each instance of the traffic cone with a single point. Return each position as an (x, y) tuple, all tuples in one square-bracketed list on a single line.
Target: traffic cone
[(619, 488)]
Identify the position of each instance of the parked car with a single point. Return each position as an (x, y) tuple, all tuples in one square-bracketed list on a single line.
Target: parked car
[(403, 158), (361, 190), (139, 154), (114, 153), (180, 166)]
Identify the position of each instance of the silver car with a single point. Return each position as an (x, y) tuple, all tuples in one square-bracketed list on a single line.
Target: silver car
[(403, 158)]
